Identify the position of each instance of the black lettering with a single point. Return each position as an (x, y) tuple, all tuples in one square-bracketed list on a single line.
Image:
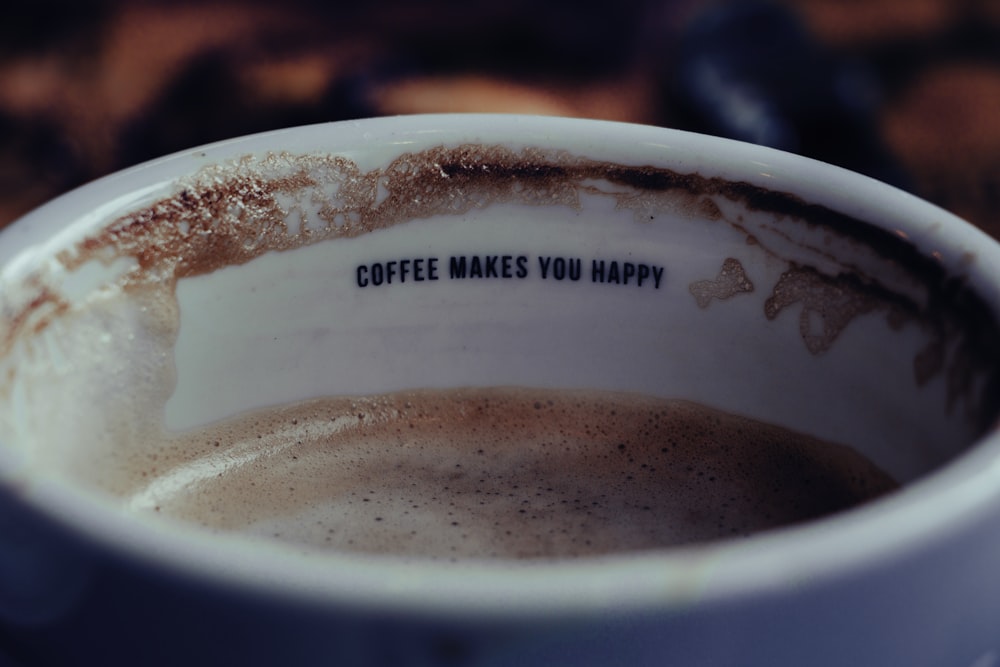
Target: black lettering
[(543, 264), (505, 266), (643, 274), (559, 268), (491, 266), (613, 276), (522, 266), (475, 267), (597, 271), (420, 269), (456, 268), (401, 270), (574, 268)]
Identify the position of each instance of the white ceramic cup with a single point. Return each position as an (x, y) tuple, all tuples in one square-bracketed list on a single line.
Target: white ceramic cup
[(744, 278)]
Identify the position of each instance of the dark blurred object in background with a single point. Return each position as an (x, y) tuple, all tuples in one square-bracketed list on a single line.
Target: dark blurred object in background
[(905, 90), (38, 160), (40, 25), (750, 70), (528, 39), (209, 100)]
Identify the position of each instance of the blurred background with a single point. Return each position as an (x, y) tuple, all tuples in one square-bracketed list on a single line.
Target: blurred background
[(907, 91)]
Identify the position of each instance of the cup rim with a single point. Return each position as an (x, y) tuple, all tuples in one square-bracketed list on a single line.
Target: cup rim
[(949, 501)]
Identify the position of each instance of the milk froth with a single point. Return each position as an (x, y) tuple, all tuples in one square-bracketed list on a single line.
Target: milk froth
[(503, 473)]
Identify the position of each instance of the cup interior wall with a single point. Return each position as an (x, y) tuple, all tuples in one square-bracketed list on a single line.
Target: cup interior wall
[(579, 274)]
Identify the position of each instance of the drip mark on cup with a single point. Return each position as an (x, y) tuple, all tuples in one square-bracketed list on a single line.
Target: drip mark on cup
[(732, 280)]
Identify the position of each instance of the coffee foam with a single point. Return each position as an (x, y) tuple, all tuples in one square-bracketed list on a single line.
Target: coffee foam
[(86, 392), (501, 473)]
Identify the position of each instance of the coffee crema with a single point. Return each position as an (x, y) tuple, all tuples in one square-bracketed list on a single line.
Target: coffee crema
[(503, 473)]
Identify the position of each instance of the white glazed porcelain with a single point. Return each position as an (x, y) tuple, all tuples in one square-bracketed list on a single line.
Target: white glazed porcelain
[(855, 329)]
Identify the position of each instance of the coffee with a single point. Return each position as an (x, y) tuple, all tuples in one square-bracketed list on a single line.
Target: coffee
[(502, 473)]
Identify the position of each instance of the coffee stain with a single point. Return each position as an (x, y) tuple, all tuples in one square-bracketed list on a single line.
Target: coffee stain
[(231, 213), (828, 303), (30, 310), (731, 280), (673, 200)]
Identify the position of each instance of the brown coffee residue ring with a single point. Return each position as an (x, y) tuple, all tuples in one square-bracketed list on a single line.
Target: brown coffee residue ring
[(229, 214)]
